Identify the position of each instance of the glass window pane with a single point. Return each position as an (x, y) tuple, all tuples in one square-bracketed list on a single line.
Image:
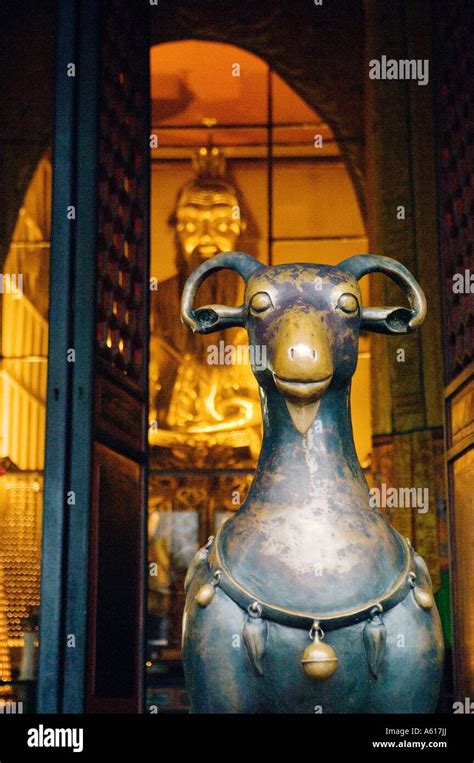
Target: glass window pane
[(185, 91), (313, 141), (328, 251), (314, 199)]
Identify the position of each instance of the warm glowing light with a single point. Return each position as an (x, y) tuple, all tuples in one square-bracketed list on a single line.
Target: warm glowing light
[(23, 382), (5, 668)]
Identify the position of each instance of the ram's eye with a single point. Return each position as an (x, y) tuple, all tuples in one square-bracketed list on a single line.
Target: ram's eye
[(348, 304), (260, 302)]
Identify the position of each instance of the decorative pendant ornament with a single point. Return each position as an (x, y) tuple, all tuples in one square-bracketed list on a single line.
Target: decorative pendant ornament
[(423, 597), (422, 568), (207, 591), (199, 557), (255, 632), (375, 637), (319, 660)]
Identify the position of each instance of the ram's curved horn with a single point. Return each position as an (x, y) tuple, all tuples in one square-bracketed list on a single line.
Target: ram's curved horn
[(388, 320), (211, 318)]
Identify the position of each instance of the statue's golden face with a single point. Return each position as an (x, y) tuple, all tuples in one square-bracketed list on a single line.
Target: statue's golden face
[(206, 229)]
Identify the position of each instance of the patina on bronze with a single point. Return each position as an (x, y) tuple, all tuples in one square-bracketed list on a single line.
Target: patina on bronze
[(307, 597)]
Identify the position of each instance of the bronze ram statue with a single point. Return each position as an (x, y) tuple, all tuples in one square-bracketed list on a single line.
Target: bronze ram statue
[(307, 600)]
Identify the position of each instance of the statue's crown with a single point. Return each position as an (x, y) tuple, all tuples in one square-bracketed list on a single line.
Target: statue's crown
[(209, 162)]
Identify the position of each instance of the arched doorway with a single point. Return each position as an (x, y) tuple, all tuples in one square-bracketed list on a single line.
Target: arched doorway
[(243, 138)]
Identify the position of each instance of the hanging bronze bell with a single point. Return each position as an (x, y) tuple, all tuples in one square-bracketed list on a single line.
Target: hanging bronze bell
[(319, 660)]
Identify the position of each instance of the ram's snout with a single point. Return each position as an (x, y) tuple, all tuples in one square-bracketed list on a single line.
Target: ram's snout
[(302, 365)]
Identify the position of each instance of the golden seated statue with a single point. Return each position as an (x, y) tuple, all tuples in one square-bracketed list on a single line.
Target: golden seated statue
[(202, 411)]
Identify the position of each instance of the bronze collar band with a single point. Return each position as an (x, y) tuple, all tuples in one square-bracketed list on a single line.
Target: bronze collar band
[(245, 598)]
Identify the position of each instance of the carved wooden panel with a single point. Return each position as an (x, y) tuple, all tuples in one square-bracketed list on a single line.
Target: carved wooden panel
[(119, 416), (453, 88), (123, 182), (455, 115), (460, 457), (116, 581), (118, 510)]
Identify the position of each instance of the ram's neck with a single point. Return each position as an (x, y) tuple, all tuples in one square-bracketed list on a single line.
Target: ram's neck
[(324, 459)]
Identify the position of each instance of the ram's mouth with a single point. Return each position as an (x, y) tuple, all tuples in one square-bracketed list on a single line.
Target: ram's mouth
[(302, 399), (303, 391)]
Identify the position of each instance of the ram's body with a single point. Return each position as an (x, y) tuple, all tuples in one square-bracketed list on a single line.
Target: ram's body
[(306, 558)]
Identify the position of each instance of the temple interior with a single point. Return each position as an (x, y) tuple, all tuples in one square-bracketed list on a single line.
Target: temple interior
[(243, 162)]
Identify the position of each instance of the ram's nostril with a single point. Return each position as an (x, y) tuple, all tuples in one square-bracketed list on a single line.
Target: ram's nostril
[(302, 353)]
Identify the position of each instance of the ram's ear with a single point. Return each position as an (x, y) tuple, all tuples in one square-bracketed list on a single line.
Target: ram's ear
[(388, 320), (211, 318)]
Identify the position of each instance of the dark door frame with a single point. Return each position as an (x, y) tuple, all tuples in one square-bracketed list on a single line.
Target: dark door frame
[(75, 672), (59, 374)]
